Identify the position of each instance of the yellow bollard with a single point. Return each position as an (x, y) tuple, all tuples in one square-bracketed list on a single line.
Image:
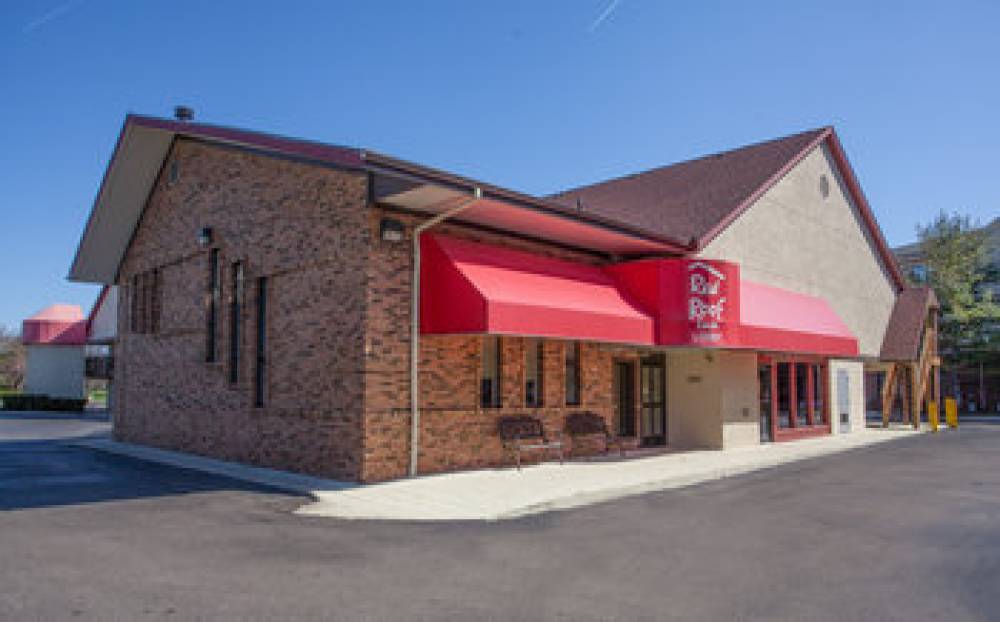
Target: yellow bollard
[(951, 412), (932, 416)]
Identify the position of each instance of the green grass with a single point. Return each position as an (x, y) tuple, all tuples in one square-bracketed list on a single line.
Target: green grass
[(7, 391)]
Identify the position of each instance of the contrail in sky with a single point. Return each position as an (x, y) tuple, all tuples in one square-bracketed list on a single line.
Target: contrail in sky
[(604, 15), (54, 14)]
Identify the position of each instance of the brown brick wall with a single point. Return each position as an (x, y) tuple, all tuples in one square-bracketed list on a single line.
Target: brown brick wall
[(337, 391), (302, 226), (455, 432)]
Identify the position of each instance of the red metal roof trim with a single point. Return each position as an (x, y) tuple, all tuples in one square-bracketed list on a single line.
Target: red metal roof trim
[(330, 154)]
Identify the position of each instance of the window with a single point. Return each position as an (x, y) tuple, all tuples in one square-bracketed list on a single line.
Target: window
[(145, 303), (212, 298), (784, 395), (573, 374), (533, 372), (236, 298), (489, 386), (802, 396), (260, 360), (819, 408), (918, 273), (764, 379)]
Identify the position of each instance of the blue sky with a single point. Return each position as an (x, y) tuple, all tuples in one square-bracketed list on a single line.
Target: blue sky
[(536, 95)]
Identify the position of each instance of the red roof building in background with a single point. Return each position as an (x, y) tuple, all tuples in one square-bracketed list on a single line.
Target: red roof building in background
[(55, 325)]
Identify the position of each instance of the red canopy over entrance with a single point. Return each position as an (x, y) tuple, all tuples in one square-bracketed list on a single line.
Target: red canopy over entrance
[(477, 288), (469, 287)]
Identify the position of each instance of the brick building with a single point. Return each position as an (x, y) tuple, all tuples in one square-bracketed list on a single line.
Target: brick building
[(267, 288)]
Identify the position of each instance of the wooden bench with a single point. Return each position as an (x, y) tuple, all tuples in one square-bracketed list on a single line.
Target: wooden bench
[(526, 432), (588, 423)]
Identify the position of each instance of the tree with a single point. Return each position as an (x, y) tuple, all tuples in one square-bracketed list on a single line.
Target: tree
[(11, 359), (955, 254)]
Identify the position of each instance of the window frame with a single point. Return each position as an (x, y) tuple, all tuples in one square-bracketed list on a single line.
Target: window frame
[(817, 402)]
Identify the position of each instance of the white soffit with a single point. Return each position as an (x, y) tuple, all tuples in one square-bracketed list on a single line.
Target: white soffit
[(131, 174)]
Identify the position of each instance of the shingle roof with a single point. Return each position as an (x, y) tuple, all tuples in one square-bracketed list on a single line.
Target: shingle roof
[(690, 199), (902, 336)]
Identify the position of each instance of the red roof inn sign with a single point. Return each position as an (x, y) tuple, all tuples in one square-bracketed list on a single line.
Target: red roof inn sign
[(707, 298), (695, 301)]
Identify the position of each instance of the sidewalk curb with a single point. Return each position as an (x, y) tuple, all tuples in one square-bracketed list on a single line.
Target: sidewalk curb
[(675, 482), (296, 483), (409, 505)]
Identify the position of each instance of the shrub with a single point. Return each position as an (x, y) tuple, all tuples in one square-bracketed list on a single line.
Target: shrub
[(41, 403)]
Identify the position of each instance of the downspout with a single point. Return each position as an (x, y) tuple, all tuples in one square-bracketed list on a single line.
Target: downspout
[(477, 194)]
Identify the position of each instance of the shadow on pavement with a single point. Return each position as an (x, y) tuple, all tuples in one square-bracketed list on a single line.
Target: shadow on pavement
[(48, 473)]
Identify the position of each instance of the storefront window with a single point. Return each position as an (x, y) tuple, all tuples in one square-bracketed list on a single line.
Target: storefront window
[(489, 386), (819, 408), (784, 395), (802, 396), (533, 372), (764, 376)]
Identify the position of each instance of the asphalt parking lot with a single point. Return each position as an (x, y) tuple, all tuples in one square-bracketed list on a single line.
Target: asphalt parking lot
[(907, 530)]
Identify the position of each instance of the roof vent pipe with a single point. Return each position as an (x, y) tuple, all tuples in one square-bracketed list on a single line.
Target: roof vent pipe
[(183, 113)]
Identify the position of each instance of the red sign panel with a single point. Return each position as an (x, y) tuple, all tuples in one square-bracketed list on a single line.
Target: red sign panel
[(696, 301)]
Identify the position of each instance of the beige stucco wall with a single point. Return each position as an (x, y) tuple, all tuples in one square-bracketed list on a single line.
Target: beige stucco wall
[(712, 399), (856, 402), (56, 371), (740, 399), (793, 237)]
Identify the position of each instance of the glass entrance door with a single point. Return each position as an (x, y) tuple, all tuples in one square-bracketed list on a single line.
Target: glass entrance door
[(653, 393)]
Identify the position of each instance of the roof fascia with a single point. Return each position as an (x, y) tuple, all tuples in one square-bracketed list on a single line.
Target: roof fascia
[(100, 192), (312, 150), (847, 172)]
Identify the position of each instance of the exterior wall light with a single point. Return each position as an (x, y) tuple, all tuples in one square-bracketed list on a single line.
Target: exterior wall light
[(205, 236), (391, 230)]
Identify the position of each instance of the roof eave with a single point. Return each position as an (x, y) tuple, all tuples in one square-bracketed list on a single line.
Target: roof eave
[(380, 162)]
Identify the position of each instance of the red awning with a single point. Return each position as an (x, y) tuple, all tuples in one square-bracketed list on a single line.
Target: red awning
[(476, 288), (469, 287), (779, 320)]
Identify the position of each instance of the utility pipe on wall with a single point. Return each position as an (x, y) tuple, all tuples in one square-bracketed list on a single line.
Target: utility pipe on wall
[(468, 202)]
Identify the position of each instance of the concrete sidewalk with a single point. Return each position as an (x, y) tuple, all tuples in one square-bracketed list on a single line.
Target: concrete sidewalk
[(497, 494)]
